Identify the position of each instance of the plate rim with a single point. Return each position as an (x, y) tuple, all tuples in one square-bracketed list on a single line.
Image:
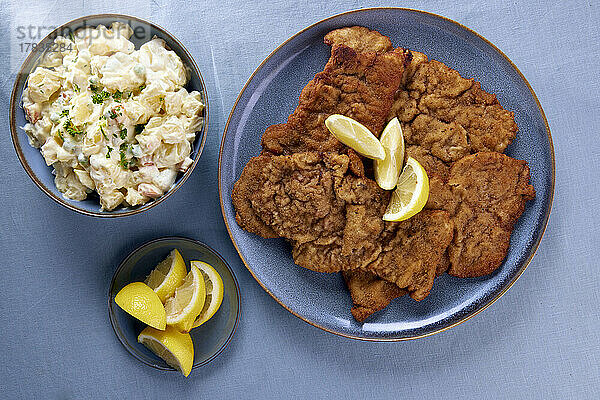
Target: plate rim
[(469, 315)]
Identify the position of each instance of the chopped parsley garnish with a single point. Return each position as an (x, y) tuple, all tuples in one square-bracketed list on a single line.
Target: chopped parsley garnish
[(117, 96), (72, 129), (61, 136), (123, 133), (112, 114), (139, 128), (98, 98), (93, 87), (71, 36), (142, 87), (103, 134), (76, 88), (122, 149), (64, 113), (108, 152)]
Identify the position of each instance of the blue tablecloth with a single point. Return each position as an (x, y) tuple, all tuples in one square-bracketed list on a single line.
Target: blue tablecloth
[(541, 340)]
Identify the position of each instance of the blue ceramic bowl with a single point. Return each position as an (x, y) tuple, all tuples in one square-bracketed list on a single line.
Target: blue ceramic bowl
[(210, 338), (31, 158), (271, 94)]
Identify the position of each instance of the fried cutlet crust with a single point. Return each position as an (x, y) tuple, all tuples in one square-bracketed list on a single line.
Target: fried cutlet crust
[(491, 191), (358, 243), (243, 191), (449, 115), (361, 39), (369, 293), (294, 196), (412, 255), (358, 85)]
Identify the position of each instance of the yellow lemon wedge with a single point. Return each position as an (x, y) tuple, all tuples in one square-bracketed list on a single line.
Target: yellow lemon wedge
[(176, 348), (411, 193), (186, 304), (355, 135), (140, 301), (387, 170), (214, 292), (167, 276)]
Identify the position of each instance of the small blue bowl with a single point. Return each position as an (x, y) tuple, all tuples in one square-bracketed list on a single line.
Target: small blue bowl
[(210, 338), (31, 158)]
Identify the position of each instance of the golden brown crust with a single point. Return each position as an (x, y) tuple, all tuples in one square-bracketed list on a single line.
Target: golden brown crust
[(449, 115), (369, 293), (292, 196), (358, 243), (241, 196), (412, 255), (359, 38), (358, 85), (492, 190)]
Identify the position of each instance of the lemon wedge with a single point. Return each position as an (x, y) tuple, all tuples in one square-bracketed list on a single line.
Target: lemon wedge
[(167, 276), (411, 193), (388, 169), (139, 300), (214, 292), (184, 307), (355, 135), (174, 347)]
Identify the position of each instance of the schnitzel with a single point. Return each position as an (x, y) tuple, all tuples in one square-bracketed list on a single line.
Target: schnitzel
[(449, 115), (413, 252), (369, 293), (292, 196), (491, 191), (439, 110), (317, 193), (332, 217), (358, 85)]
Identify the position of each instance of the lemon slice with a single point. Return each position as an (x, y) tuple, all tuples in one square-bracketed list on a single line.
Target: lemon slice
[(355, 135), (388, 169), (139, 300), (184, 307), (214, 292), (167, 276), (176, 348), (411, 192)]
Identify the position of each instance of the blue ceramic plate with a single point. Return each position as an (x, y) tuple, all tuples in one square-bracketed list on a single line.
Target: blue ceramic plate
[(32, 159), (210, 338), (271, 95)]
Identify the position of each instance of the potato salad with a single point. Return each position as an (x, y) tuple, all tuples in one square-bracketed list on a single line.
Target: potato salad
[(112, 119)]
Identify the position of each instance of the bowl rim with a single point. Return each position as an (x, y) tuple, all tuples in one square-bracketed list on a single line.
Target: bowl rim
[(115, 325), (508, 285), (14, 133)]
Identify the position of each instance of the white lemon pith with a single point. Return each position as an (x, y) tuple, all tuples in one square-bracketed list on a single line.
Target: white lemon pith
[(174, 347), (213, 285), (186, 304), (355, 135), (141, 302), (411, 194), (387, 171), (167, 276)]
